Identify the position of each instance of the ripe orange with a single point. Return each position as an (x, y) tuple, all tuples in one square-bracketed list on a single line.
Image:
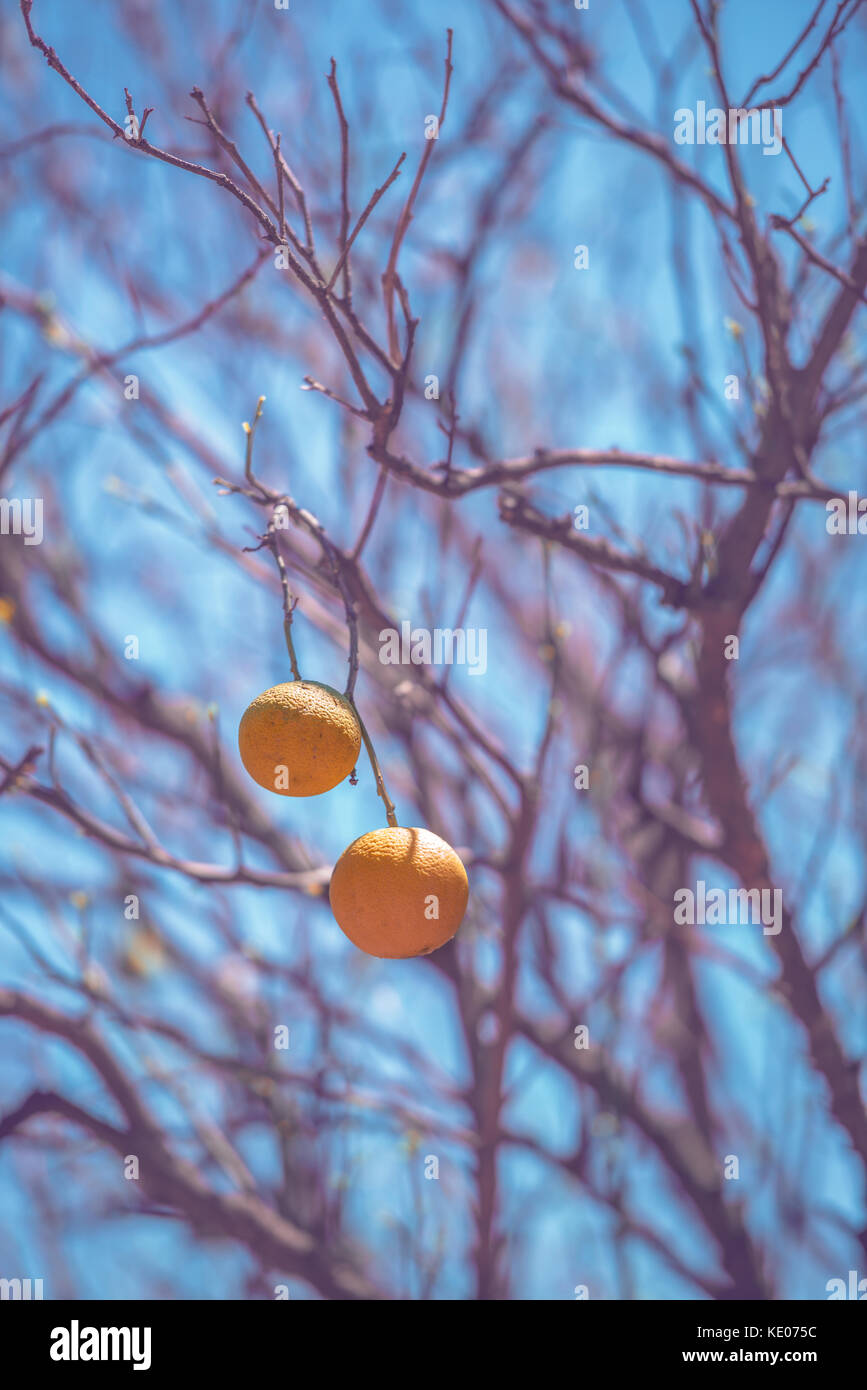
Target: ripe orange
[(299, 739), (399, 892)]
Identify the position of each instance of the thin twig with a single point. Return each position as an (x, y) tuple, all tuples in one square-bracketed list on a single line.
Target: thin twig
[(344, 183), (374, 199), (390, 273)]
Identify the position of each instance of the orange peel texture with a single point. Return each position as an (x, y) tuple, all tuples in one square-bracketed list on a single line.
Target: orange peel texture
[(399, 892), (299, 739)]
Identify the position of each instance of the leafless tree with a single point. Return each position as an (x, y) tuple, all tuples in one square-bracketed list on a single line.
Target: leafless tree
[(616, 650)]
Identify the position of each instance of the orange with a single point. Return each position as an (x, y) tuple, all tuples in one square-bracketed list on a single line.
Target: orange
[(299, 739), (399, 892)]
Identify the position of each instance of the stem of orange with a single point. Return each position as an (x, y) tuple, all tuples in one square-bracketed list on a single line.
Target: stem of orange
[(382, 791), (288, 603)]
